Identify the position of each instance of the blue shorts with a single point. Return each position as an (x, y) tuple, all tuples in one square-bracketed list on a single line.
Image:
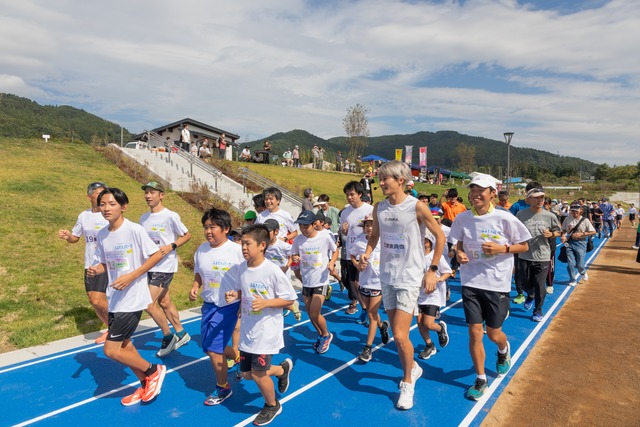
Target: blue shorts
[(217, 326)]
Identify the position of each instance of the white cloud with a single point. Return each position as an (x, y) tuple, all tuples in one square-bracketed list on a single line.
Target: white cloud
[(570, 80)]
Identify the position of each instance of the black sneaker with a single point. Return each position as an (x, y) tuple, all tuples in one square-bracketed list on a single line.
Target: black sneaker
[(429, 351), (283, 380), (443, 336), (267, 414), (384, 332), (365, 355)]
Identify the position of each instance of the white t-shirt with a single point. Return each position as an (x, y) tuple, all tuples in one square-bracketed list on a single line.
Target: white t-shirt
[(278, 253), (164, 228), (212, 264), (369, 277), (123, 251), (354, 216), (261, 331), (439, 296), (488, 272), (314, 258), (185, 135), (284, 219), (401, 244), (88, 224)]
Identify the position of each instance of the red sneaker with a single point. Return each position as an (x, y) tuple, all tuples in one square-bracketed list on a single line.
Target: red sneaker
[(134, 398), (153, 384), (102, 338)]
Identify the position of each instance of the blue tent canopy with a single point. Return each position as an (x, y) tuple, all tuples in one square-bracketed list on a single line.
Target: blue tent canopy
[(373, 157)]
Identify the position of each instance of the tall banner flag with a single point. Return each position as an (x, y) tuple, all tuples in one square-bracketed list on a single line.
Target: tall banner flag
[(408, 152), (399, 154), (423, 156)]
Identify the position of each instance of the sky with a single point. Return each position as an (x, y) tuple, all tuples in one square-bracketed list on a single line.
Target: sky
[(563, 75)]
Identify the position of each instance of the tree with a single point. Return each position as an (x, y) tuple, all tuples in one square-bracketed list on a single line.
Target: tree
[(356, 126), (466, 157), (602, 172)]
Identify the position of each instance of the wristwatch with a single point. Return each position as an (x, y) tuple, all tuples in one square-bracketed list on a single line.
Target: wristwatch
[(174, 246), (433, 268)]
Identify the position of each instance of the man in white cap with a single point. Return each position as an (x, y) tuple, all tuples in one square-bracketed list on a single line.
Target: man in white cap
[(533, 265), (486, 262)]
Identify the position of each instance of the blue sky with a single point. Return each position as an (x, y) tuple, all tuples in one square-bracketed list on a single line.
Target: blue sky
[(562, 75)]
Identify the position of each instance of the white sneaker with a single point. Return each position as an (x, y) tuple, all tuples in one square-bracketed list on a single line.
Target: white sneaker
[(572, 283), (585, 276), (634, 247), (416, 372), (405, 401), (549, 290)]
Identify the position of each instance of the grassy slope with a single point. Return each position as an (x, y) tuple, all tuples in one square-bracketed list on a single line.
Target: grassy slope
[(42, 190)]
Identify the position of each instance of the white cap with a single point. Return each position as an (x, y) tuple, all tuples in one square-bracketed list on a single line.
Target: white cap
[(410, 183), (483, 180)]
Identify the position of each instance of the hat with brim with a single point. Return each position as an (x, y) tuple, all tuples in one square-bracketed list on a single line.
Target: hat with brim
[(481, 180), (366, 219), (249, 215), (575, 207), (535, 192), (306, 217), (154, 185)]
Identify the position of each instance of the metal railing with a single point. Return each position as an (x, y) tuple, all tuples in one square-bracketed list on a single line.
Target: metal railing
[(261, 181), (207, 167)]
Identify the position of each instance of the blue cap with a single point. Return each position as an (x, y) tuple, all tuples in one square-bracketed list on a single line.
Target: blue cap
[(306, 217)]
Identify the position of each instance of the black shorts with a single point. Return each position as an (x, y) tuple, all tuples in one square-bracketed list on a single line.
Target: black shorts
[(318, 290), (429, 310), (354, 273), (619, 217), (254, 362), (162, 280), (482, 305), (123, 325), (97, 283), (368, 292), (632, 217)]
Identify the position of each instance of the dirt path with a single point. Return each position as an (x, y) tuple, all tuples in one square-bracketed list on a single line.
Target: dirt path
[(585, 370)]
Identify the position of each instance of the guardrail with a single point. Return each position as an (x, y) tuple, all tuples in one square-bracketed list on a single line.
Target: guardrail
[(249, 175)]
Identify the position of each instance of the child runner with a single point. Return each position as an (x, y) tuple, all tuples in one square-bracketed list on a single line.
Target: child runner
[(429, 304), (279, 253), (264, 291), (399, 223), (126, 253), (487, 238), (312, 249), (272, 198), (88, 224), (168, 232), (369, 287), (212, 261)]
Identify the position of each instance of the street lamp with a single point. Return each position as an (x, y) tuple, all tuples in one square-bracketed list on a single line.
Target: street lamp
[(507, 139)]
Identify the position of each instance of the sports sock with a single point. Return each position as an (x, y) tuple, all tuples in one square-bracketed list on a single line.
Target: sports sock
[(181, 333), (482, 377), (152, 370)]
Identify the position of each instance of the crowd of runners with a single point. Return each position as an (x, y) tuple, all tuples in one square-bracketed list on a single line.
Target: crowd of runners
[(393, 257)]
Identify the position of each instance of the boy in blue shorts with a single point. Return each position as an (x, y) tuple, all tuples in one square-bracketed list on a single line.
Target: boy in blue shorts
[(212, 262), (264, 291), (125, 251)]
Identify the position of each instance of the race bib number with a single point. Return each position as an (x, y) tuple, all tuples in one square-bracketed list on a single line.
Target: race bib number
[(474, 251), (117, 261)]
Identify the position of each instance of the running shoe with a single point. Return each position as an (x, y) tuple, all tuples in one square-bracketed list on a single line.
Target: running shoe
[(363, 319), (443, 336), (405, 401), (352, 309), (634, 247), (182, 340), (476, 391), (519, 299), (325, 343), (537, 317), (365, 354), (283, 380), (528, 304), (316, 344), (296, 311), (219, 395), (102, 338), (134, 398), (384, 332), (267, 414), (428, 351), (153, 384), (585, 276), (329, 292), (168, 345), (550, 290), (416, 372), (573, 283), (503, 364)]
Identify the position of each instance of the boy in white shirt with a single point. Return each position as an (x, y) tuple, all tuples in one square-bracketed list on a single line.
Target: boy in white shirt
[(311, 249), (212, 263), (126, 253), (168, 232), (88, 224), (369, 287), (429, 304), (487, 239), (279, 253), (264, 291), (272, 197)]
